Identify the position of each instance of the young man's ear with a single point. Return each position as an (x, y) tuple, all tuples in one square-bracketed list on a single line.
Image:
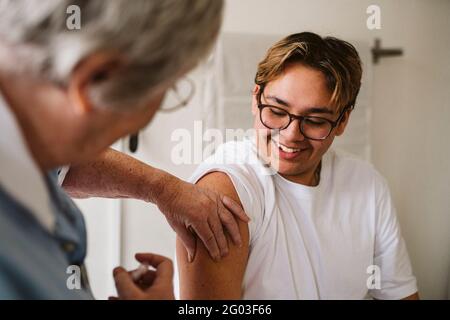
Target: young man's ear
[(343, 123), (254, 100), (95, 68)]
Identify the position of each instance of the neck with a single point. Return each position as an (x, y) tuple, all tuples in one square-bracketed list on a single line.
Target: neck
[(310, 178), (32, 103)]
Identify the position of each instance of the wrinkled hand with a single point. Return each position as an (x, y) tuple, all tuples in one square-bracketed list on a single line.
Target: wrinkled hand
[(153, 285), (192, 210)]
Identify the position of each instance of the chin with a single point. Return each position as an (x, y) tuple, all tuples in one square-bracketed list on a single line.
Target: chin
[(291, 170)]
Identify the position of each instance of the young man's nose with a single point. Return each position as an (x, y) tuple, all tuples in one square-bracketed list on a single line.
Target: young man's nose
[(292, 132)]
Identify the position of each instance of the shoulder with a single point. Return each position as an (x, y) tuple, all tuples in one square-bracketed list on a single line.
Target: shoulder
[(238, 161), (234, 155), (354, 171), (219, 182), (235, 169), (365, 186)]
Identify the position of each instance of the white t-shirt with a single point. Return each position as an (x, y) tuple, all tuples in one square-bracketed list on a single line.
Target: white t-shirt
[(317, 242)]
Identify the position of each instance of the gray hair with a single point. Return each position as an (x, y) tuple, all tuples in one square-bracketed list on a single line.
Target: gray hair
[(159, 39)]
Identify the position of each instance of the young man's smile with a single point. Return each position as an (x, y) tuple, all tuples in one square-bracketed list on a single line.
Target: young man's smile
[(287, 151)]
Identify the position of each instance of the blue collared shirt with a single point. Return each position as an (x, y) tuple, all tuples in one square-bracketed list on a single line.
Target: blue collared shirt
[(34, 262)]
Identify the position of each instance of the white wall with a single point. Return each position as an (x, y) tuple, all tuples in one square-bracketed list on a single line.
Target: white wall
[(411, 110), (410, 122)]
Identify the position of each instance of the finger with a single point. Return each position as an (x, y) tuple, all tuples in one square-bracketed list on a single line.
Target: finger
[(231, 226), (188, 240), (163, 266), (151, 259), (235, 208), (125, 286), (205, 234), (216, 227)]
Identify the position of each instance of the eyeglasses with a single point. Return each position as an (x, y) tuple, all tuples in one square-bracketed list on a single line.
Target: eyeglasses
[(314, 128), (178, 96)]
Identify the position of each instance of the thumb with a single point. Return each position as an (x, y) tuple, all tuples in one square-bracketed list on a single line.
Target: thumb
[(187, 237), (126, 289)]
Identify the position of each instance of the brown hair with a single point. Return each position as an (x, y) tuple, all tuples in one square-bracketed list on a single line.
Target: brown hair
[(338, 60)]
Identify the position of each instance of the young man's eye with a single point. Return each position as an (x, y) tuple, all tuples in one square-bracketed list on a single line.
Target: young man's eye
[(315, 122), (277, 112)]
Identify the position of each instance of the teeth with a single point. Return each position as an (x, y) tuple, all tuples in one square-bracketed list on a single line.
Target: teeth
[(284, 148)]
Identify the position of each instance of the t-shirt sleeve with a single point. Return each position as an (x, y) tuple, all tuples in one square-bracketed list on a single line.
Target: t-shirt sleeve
[(391, 257), (247, 187)]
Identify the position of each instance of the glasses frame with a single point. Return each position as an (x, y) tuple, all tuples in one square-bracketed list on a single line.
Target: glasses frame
[(293, 117), (182, 102)]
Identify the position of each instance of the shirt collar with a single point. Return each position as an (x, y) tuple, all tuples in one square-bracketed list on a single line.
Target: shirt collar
[(19, 173)]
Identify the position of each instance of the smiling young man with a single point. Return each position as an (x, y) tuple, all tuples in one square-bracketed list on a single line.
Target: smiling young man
[(324, 220)]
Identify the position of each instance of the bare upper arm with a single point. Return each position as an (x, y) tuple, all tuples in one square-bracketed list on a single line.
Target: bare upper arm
[(205, 278), (414, 296)]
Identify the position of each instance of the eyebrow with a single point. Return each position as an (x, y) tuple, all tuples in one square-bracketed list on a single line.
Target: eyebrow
[(277, 100)]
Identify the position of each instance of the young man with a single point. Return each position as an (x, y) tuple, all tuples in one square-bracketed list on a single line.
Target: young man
[(324, 221)]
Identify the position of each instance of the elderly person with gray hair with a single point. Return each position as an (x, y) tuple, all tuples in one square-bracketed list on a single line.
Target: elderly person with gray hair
[(65, 96)]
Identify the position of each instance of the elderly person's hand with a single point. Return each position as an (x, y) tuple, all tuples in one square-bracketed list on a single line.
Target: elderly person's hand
[(152, 285), (192, 210)]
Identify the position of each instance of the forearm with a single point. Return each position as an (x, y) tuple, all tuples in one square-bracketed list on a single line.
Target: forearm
[(114, 174)]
